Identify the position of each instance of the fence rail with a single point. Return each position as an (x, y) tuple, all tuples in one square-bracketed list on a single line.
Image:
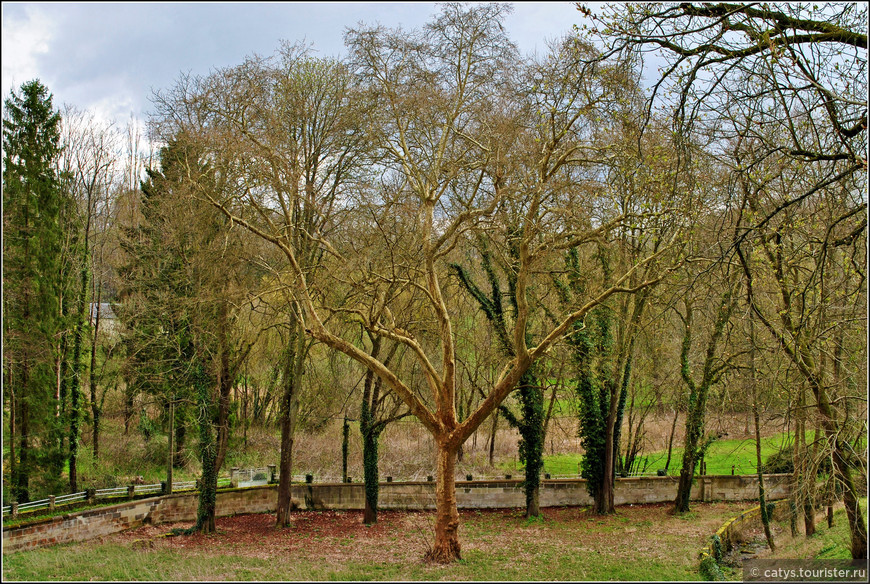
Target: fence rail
[(71, 498), (102, 494), (242, 477)]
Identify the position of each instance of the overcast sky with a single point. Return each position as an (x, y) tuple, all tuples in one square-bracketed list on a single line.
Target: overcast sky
[(107, 57)]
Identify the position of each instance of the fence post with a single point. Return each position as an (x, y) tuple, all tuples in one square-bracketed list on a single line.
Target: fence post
[(50, 503), (14, 510), (234, 477), (272, 468), (131, 490), (91, 495)]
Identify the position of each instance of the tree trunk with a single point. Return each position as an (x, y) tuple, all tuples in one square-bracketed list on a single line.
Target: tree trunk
[(345, 435), (180, 434), (605, 505), (170, 455), (371, 477), (95, 406), (128, 408), (532, 444), (765, 517), (205, 515), (446, 548), (292, 368), (225, 386), (285, 472), (671, 437), (857, 526), (76, 389), (13, 467), (492, 437), (694, 430), (22, 482), (245, 412)]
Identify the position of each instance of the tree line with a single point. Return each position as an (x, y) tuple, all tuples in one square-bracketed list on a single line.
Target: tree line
[(459, 223)]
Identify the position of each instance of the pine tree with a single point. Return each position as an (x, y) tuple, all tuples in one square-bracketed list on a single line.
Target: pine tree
[(33, 209)]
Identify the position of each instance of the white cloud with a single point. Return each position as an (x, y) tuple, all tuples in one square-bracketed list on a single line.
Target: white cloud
[(27, 35)]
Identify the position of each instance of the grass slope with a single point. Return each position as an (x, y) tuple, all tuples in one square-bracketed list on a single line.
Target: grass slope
[(720, 457)]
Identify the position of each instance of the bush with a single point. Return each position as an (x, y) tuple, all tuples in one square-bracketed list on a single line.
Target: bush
[(783, 462), (710, 570)]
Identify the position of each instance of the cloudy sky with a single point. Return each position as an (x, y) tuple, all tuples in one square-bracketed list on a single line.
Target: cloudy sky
[(108, 57)]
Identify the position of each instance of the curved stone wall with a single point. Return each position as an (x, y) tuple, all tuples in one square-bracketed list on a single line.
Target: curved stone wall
[(412, 495)]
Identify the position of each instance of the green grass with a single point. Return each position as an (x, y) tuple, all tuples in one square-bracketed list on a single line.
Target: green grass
[(720, 457), (827, 543)]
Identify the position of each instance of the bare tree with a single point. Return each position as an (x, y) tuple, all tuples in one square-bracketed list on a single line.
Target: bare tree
[(289, 119), (88, 165), (806, 282), (443, 124)]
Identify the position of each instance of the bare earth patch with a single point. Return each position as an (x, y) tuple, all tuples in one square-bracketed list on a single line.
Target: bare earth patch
[(636, 533)]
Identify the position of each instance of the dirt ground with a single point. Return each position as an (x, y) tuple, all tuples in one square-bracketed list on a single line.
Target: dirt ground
[(331, 535)]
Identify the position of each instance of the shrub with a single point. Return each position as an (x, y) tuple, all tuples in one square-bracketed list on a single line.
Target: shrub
[(710, 570)]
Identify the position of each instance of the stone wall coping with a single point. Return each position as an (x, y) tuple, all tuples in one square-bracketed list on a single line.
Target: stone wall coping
[(494, 492)]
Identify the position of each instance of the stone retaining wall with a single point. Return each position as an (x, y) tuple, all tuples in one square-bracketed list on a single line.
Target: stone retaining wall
[(726, 536), (413, 495)]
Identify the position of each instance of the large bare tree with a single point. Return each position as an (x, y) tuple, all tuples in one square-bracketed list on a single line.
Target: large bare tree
[(460, 141)]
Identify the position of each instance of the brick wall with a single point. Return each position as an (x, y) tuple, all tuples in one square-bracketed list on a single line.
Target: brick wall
[(181, 507)]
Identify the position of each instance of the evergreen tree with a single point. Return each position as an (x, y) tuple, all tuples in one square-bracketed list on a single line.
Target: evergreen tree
[(33, 207), (177, 310)]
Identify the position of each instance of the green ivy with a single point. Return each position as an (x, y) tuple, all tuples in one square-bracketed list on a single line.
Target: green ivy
[(710, 570)]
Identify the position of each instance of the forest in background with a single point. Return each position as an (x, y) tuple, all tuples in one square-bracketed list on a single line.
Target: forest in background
[(439, 229)]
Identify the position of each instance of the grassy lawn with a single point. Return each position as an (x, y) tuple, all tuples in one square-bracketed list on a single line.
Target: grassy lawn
[(827, 543), (568, 544), (721, 455)]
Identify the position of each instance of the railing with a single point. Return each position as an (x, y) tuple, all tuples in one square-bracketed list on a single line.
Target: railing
[(102, 494), (241, 478), (69, 499)]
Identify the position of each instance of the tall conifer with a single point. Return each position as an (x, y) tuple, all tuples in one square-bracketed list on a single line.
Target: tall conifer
[(33, 234)]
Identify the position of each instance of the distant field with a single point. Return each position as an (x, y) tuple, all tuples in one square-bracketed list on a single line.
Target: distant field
[(720, 457)]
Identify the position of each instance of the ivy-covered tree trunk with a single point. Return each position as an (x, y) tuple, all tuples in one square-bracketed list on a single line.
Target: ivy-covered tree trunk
[(226, 380), (370, 474), (373, 420), (694, 432), (599, 408), (532, 440), (370, 435)]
